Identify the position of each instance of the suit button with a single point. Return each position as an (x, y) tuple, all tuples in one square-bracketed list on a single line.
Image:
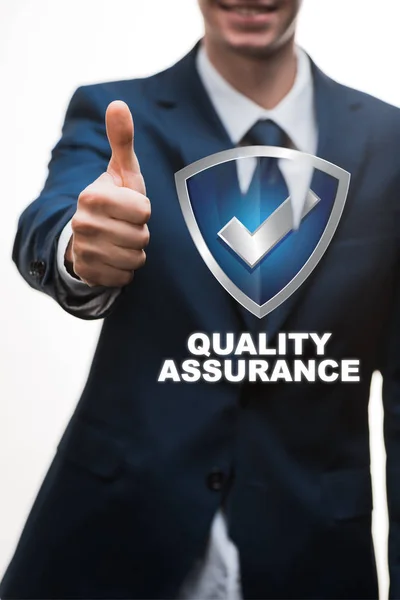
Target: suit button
[(32, 268), (37, 268), (215, 480), (41, 268)]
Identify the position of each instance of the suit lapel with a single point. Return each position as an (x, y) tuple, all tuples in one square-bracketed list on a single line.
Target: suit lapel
[(185, 107), (187, 113)]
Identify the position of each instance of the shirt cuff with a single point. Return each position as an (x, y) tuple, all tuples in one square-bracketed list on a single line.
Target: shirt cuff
[(73, 284)]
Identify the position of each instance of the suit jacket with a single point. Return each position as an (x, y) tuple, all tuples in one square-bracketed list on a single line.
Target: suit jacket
[(126, 507)]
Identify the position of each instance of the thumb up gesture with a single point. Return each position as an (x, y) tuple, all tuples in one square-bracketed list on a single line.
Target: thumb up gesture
[(110, 224)]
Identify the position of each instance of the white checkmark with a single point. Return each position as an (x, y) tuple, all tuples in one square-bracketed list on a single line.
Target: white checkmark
[(252, 247)]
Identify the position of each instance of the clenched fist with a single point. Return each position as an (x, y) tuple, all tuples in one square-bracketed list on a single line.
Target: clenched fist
[(110, 224)]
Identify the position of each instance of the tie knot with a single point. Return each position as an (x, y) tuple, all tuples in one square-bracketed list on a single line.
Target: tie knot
[(266, 133)]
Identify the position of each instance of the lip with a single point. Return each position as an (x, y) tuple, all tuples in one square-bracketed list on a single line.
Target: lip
[(262, 6), (250, 12)]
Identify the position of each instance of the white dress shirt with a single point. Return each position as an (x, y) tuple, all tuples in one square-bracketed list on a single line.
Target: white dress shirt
[(217, 576)]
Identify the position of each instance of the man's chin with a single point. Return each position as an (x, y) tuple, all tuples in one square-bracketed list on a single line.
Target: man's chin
[(252, 49)]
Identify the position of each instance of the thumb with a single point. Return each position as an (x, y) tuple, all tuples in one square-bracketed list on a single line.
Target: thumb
[(123, 166)]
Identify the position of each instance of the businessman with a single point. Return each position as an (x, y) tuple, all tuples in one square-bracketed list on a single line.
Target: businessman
[(213, 491)]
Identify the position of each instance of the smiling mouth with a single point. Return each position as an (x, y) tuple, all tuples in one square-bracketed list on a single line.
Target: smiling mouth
[(248, 10)]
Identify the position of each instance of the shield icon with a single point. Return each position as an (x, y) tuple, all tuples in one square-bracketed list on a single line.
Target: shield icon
[(260, 261)]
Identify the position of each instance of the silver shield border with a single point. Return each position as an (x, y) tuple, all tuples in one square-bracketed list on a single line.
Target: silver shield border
[(184, 174)]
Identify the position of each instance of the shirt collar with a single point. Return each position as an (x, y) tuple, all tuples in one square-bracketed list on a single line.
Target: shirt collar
[(238, 113)]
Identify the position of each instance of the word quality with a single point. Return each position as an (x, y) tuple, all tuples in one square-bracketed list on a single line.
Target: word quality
[(208, 367)]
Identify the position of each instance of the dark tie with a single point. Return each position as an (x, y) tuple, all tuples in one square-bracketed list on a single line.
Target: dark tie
[(266, 193), (268, 188), (266, 133)]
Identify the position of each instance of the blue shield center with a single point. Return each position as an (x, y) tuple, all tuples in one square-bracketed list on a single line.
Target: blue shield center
[(216, 198)]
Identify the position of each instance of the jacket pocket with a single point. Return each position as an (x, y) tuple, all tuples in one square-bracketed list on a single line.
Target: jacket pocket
[(89, 447), (347, 493)]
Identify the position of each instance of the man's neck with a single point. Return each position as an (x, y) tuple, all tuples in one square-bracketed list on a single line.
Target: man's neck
[(266, 81)]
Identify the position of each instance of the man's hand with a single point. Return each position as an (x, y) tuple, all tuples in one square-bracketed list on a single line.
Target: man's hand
[(109, 226)]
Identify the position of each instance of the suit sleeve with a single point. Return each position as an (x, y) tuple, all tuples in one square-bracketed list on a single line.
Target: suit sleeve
[(80, 156)]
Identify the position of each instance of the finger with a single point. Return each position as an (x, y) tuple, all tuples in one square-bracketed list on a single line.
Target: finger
[(123, 165), (98, 273), (126, 260), (127, 205), (127, 235), (103, 198), (106, 276), (95, 256), (112, 231)]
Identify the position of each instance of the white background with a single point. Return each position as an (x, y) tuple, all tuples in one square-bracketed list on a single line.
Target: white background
[(47, 49)]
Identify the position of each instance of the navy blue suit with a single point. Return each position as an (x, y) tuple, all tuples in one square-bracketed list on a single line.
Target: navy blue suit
[(126, 507)]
